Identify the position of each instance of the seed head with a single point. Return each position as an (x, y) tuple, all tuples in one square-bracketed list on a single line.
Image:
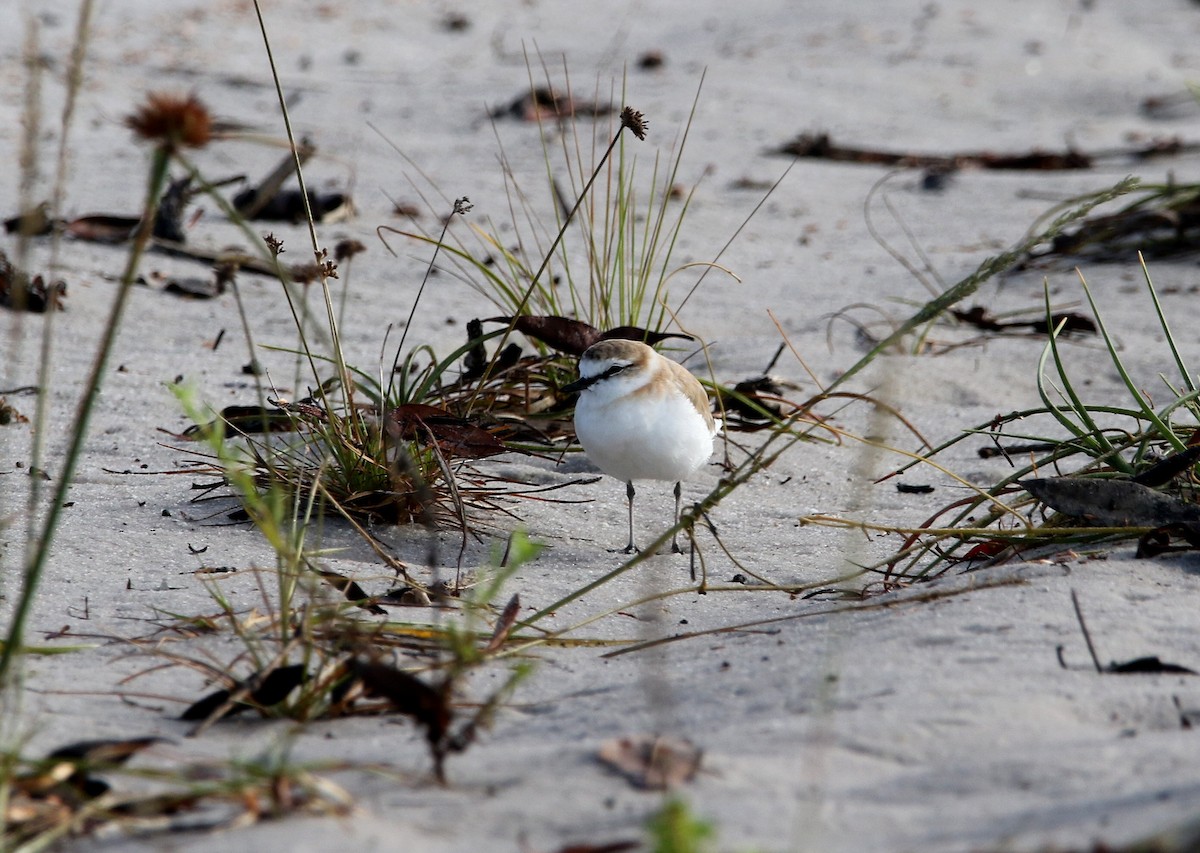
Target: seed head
[(172, 121), (635, 121)]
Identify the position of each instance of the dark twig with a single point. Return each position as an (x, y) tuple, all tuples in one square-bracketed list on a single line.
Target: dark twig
[(1087, 637)]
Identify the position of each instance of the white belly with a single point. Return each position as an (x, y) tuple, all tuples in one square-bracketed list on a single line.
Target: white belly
[(643, 438)]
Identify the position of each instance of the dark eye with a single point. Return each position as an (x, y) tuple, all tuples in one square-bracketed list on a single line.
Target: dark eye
[(614, 370)]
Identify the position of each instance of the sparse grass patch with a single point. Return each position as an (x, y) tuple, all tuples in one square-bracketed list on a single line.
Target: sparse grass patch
[(1084, 473)]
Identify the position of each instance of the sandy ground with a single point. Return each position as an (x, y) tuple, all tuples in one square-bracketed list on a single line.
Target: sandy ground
[(941, 726)]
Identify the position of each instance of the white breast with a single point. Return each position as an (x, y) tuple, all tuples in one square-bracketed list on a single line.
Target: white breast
[(642, 436)]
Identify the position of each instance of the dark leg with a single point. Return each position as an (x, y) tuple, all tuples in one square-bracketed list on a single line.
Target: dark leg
[(675, 549), (630, 548)]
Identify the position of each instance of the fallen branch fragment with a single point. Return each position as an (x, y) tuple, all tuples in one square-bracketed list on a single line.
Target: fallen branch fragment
[(819, 146)]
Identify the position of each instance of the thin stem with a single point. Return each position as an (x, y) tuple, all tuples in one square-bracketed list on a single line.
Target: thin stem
[(512, 323), (318, 254), (38, 550)]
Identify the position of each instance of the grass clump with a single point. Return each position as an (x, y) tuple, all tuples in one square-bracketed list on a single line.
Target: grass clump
[(1083, 472)]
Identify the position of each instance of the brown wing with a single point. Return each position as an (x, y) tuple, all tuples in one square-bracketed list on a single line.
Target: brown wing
[(693, 390)]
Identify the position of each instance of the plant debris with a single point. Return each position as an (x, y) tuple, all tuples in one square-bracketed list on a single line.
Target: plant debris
[(753, 404), (35, 222), (1111, 503), (573, 337), (1163, 222), (203, 288), (652, 762), (1148, 665), (62, 795), (352, 592), (21, 293), (245, 420), (456, 437), (261, 691), (1069, 323), (821, 146), (542, 103), (9, 414)]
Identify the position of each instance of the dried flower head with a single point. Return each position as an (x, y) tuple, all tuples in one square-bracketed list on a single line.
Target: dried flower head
[(348, 249), (172, 121), (325, 267), (635, 121)]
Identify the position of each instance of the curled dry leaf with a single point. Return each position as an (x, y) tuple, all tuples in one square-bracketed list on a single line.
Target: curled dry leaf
[(637, 333), (562, 333), (653, 762), (405, 596), (102, 228), (64, 781), (750, 406), (822, 147), (35, 222)]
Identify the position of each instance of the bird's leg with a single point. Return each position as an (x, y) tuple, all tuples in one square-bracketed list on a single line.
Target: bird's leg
[(630, 548), (675, 549)]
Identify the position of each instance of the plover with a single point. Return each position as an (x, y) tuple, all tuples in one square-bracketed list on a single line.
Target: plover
[(641, 416)]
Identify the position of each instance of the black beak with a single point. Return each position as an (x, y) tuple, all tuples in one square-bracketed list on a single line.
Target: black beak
[(581, 384)]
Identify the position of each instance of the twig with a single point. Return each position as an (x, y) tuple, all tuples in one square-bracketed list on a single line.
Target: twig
[(1087, 637)]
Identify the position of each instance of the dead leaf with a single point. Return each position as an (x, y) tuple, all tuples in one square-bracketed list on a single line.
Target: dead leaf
[(456, 437), (1111, 503), (247, 420), (1158, 541), (103, 228), (504, 623), (409, 695), (272, 689), (352, 592), (1166, 470), (637, 333), (21, 292), (653, 762), (35, 222), (1149, 665), (544, 103), (561, 333)]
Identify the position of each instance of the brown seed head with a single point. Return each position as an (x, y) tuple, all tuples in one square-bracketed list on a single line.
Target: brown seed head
[(635, 121), (348, 249), (172, 121)]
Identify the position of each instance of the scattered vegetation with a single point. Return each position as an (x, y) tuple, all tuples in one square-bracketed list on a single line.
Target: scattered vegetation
[(1084, 472), (405, 447)]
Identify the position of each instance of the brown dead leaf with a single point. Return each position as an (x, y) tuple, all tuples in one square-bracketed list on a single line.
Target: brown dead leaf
[(653, 762), (409, 695), (456, 437)]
